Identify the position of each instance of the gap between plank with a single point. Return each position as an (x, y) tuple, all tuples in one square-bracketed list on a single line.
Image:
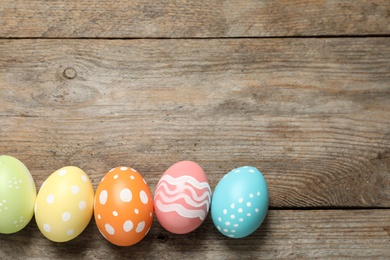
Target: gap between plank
[(200, 38), (329, 208)]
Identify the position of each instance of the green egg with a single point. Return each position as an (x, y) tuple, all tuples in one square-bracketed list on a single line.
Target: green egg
[(17, 195)]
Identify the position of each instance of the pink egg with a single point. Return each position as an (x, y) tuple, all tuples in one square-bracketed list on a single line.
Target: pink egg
[(182, 198)]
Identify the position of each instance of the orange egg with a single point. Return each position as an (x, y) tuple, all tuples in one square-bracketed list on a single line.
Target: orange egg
[(123, 207)]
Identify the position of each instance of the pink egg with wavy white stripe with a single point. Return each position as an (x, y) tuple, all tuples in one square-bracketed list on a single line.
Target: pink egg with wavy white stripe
[(182, 198)]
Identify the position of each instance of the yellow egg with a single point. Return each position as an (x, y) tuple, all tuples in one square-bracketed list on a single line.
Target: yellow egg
[(64, 204)]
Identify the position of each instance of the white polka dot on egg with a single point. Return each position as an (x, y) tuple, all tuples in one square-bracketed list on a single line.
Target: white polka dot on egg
[(128, 226), (103, 197), (82, 204), (140, 227), (50, 198), (66, 216), (143, 197), (47, 227), (126, 195), (110, 230), (62, 172), (84, 178), (75, 189)]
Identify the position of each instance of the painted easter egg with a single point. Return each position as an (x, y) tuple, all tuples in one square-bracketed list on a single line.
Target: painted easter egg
[(64, 204), (240, 202), (123, 207), (182, 197), (17, 195)]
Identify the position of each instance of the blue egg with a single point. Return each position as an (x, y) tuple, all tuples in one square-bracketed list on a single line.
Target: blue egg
[(240, 202)]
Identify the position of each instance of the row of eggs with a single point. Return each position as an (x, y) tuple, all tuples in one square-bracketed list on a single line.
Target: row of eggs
[(123, 207)]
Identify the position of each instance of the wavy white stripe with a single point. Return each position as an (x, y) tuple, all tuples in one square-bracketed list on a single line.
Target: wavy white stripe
[(180, 180), (180, 188), (181, 210), (184, 196)]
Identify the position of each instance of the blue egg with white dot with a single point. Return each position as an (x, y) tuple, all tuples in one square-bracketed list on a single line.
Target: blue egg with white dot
[(240, 202)]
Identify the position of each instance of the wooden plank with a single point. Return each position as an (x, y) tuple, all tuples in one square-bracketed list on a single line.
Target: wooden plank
[(326, 234), (183, 19), (312, 114)]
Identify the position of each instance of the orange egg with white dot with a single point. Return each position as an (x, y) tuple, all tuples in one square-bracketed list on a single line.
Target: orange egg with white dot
[(123, 207)]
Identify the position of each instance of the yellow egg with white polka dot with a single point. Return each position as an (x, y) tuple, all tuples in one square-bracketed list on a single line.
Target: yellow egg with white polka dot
[(64, 204)]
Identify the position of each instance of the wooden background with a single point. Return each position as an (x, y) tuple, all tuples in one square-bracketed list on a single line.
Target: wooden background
[(298, 89)]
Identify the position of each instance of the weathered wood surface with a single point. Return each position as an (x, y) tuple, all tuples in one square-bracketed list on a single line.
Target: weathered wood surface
[(326, 234), (312, 114), (183, 19)]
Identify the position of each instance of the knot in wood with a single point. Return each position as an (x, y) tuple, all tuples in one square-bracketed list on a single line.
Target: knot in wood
[(69, 73)]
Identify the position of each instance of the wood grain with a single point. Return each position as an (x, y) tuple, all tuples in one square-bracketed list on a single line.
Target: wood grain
[(326, 234), (299, 89), (312, 114), (187, 19)]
